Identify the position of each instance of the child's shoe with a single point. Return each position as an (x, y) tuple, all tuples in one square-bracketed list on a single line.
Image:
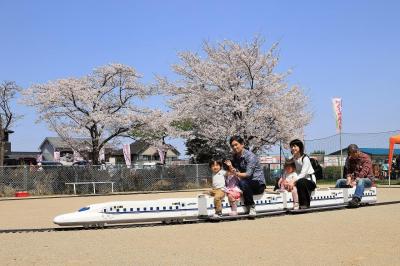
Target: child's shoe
[(296, 206), (217, 215)]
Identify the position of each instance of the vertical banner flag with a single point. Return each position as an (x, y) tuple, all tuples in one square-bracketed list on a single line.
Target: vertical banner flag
[(102, 155), (162, 154), (337, 109), (126, 148), (57, 156)]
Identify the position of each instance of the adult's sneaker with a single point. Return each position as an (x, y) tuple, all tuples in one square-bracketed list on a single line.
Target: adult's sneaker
[(354, 203), (252, 211)]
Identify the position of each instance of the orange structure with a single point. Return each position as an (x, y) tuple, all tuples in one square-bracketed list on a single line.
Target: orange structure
[(393, 140)]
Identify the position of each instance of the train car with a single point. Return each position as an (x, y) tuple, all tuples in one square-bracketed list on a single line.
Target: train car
[(201, 207), (118, 212), (266, 202)]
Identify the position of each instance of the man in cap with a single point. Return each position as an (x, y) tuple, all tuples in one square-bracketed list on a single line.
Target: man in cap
[(358, 173)]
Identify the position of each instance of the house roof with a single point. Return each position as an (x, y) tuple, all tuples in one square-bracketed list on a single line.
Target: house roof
[(59, 143), (22, 154), (371, 151), (141, 146)]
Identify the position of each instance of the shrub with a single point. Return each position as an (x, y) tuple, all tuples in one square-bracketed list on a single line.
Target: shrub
[(7, 191), (332, 172)]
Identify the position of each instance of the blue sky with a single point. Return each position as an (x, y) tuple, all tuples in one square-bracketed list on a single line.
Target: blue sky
[(348, 49)]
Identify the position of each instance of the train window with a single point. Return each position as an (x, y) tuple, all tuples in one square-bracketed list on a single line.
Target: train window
[(138, 209), (131, 209), (164, 208), (124, 209), (84, 209), (105, 210), (183, 204), (158, 208), (144, 208), (117, 210), (177, 207), (110, 208), (170, 207), (151, 208)]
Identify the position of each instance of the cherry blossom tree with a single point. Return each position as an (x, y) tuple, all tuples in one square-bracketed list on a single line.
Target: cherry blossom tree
[(234, 89), (99, 106)]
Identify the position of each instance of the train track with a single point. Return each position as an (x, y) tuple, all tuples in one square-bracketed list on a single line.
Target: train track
[(196, 221)]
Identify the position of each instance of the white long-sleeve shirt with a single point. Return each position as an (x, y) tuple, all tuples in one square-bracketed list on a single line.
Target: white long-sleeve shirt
[(304, 168), (291, 177), (218, 179)]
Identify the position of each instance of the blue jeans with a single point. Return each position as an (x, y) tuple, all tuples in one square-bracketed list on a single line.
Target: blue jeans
[(361, 184), (250, 187)]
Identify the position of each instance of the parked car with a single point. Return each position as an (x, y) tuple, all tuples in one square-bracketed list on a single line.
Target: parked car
[(50, 163), (80, 163)]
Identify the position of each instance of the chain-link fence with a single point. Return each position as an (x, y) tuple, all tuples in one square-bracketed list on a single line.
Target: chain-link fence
[(376, 145), (50, 180)]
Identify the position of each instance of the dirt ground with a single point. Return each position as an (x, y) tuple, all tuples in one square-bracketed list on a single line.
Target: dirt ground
[(364, 236)]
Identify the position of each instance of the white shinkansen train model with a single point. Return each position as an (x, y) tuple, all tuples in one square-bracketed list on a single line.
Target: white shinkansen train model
[(202, 207)]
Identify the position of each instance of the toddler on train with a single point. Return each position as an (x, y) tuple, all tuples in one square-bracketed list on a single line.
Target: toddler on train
[(218, 185), (287, 182), (232, 189)]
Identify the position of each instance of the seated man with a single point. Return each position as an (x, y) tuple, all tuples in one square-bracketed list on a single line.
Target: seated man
[(358, 172)]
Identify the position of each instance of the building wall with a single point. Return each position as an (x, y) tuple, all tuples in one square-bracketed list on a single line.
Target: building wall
[(47, 151), (151, 154)]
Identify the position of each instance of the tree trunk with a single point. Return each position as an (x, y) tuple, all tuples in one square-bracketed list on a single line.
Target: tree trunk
[(1, 143), (95, 152), (164, 151)]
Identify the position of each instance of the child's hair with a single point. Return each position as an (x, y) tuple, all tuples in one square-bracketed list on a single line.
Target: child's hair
[(289, 163), (214, 161)]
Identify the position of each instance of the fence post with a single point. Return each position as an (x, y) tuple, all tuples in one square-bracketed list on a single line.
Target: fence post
[(197, 175), (25, 178)]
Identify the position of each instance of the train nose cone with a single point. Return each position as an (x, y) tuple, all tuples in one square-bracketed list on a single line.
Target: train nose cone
[(58, 219)]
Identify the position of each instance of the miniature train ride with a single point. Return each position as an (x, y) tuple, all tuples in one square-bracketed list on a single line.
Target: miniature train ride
[(202, 208)]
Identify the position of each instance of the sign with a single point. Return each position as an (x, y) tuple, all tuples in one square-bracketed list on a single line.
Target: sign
[(126, 148), (162, 154), (337, 109)]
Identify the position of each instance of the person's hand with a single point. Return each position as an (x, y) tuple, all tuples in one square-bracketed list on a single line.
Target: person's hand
[(349, 179), (228, 163)]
